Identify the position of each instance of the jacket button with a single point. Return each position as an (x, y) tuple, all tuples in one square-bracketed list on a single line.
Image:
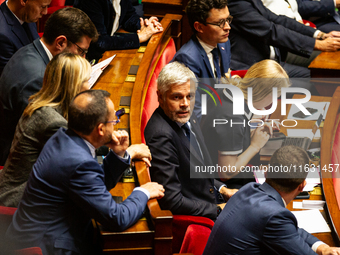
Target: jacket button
[(211, 190)]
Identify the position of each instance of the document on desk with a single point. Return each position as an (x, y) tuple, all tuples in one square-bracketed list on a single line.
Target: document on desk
[(312, 221), (318, 106), (97, 70)]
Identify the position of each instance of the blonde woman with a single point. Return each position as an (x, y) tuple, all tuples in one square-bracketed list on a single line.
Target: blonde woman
[(234, 144), (65, 76)]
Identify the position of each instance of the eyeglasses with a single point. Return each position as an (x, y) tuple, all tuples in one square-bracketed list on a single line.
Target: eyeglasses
[(222, 22), (82, 51), (115, 122)]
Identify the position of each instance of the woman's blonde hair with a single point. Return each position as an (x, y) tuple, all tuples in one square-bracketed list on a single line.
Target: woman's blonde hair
[(262, 77), (63, 80)]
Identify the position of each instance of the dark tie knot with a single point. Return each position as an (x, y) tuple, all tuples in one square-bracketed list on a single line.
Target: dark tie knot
[(215, 53), (187, 130)]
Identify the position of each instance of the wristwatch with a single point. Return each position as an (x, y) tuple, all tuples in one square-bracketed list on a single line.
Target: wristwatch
[(219, 210)]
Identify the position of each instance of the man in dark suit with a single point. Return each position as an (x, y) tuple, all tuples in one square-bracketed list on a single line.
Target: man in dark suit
[(207, 53), (174, 158), (67, 29), (18, 28), (255, 29), (255, 220), (67, 187), (110, 15), (323, 13)]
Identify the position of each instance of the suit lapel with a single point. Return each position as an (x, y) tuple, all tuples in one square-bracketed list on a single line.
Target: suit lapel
[(15, 25), (203, 55), (180, 133)]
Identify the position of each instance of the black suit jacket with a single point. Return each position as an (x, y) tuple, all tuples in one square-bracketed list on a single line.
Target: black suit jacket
[(101, 13), (255, 28), (172, 161), (22, 77), (12, 35)]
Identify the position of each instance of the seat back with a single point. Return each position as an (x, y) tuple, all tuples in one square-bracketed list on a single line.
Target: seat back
[(6, 215), (57, 3), (195, 239), (336, 162), (150, 99), (181, 223), (29, 251)]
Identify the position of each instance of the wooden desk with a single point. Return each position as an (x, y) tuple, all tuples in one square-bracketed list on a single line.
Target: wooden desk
[(305, 124), (326, 65), (153, 233)]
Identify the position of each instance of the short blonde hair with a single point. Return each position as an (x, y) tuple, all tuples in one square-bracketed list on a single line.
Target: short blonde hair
[(63, 80), (262, 77)]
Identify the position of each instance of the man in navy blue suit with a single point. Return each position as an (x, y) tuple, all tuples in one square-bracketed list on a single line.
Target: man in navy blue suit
[(255, 220), (322, 13), (66, 30), (207, 53), (18, 28), (110, 15), (67, 187)]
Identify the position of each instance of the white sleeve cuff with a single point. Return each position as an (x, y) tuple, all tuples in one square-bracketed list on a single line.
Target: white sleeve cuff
[(316, 245), (335, 3), (147, 193), (316, 33), (223, 185)]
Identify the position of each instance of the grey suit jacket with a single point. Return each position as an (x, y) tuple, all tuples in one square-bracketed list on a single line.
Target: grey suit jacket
[(22, 77), (30, 137)]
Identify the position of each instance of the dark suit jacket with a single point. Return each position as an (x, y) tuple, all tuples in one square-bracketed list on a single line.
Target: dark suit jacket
[(319, 12), (101, 13), (22, 77), (172, 161), (12, 35), (67, 187), (194, 56), (255, 222), (255, 28)]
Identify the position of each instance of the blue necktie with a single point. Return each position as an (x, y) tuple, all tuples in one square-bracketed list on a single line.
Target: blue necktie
[(194, 142), (216, 58)]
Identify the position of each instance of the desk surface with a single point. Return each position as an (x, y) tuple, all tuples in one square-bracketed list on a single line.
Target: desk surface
[(305, 124), (327, 64)]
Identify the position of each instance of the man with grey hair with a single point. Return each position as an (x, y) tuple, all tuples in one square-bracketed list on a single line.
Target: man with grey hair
[(177, 146)]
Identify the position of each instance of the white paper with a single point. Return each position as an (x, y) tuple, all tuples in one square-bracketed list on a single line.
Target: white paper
[(315, 105), (312, 221), (97, 70), (303, 133), (309, 204)]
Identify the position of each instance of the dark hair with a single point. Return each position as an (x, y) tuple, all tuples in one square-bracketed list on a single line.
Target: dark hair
[(292, 164), (85, 117), (70, 22), (198, 10)]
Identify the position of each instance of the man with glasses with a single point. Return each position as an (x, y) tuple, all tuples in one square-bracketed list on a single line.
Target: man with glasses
[(207, 53), (68, 188), (67, 30)]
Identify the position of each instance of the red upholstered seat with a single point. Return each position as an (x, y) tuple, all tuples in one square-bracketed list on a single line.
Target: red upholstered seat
[(180, 224), (151, 100), (240, 73), (309, 23), (29, 251), (195, 239), (57, 3), (336, 160)]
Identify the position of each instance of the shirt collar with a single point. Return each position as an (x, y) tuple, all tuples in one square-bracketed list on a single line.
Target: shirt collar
[(21, 21), (284, 202), (91, 147), (207, 48), (247, 112), (49, 54)]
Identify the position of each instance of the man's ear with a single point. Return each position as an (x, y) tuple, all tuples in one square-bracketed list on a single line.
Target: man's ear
[(23, 2), (198, 26), (60, 43), (100, 129), (160, 98), (302, 185)]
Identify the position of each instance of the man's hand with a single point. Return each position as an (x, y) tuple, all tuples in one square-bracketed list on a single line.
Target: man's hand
[(227, 193), (329, 44), (156, 190), (324, 249), (147, 29), (335, 34), (140, 151), (221, 205), (119, 142)]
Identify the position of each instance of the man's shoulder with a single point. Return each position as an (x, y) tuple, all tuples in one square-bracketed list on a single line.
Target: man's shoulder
[(158, 126), (190, 48)]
